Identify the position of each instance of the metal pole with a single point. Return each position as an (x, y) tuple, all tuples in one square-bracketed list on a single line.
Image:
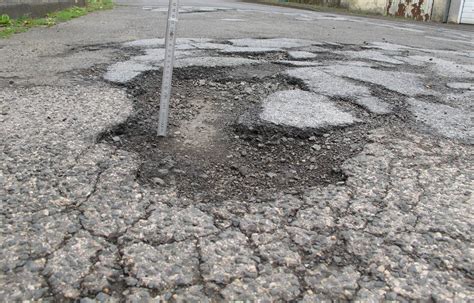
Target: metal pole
[(170, 41)]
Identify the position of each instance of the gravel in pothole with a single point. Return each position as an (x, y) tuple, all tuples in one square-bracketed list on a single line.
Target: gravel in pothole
[(210, 157)]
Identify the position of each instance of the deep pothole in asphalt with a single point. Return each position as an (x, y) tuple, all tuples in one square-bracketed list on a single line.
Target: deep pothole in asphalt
[(210, 157)]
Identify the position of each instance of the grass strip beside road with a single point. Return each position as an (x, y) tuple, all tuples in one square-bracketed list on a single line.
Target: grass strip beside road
[(9, 26)]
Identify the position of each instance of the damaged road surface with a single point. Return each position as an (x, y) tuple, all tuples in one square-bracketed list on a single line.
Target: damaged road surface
[(297, 169)]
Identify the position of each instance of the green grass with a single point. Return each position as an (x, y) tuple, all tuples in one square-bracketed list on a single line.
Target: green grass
[(9, 26)]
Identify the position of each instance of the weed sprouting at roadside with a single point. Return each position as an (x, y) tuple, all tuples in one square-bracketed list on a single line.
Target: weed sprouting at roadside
[(10, 26), (5, 20)]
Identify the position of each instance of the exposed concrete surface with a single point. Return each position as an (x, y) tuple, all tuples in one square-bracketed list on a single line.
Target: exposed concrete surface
[(125, 71), (447, 120), (272, 43), (321, 82), (302, 110), (76, 223), (371, 55), (297, 63), (301, 55), (214, 61), (374, 105), (461, 85), (403, 83)]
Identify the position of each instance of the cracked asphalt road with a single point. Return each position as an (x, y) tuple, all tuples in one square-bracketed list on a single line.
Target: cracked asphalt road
[(78, 224)]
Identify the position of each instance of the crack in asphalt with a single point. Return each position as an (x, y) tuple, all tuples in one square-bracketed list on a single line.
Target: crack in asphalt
[(335, 235)]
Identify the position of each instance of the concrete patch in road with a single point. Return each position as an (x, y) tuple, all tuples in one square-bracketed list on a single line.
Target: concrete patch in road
[(298, 63), (257, 50), (461, 85), (371, 55), (214, 61), (402, 82), (352, 63), (155, 56), (152, 55), (464, 100), (146, 43), (226, 48), (388, 46), (374, 105), (302, 109), (190, 52), (210, 45), (324, 83), (448, 121), (123, 72), (443, 67), (160, 42), (317, 48), (297, 55), (272, 43)]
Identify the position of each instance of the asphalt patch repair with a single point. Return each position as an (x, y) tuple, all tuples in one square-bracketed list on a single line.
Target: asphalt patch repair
[(211, 156)]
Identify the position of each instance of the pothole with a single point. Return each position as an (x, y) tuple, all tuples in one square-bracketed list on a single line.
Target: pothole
[(210, 157), (221, 147)]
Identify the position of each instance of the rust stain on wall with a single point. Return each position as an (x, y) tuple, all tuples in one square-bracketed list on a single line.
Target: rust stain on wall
[(412, 9), (401, 10), (389, 5)]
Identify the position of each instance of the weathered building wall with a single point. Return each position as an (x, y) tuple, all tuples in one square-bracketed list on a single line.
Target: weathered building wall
[(330, 3), (35, 8), (369, 6), (455, 11), (421, 10), (439, 10)]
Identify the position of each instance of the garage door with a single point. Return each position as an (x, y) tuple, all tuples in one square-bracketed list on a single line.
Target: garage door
[(467, 13)]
